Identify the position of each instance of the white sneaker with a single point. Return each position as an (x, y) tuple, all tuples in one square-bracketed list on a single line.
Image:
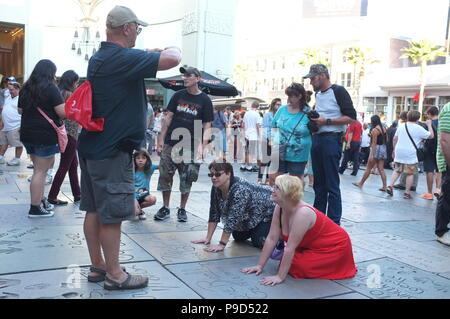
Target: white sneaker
[(142, 216), (30, 178), (445, 239), (14, 162), (48, 180)]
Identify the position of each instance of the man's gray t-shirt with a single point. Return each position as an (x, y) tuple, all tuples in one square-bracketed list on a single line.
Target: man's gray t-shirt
[(332, 104)]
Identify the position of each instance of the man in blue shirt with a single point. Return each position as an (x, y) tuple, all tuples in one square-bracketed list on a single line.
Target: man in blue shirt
[(336, 110), (117, 74)]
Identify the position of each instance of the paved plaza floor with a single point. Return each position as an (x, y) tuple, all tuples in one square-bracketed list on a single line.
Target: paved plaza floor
[(395, 248)]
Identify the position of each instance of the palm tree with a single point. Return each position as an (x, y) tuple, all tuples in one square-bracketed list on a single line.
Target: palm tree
[(359, 57), (315, 56), (420, 52), (241, 74)]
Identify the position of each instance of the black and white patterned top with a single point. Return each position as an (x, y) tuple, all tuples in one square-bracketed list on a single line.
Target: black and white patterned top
[(247, 206)]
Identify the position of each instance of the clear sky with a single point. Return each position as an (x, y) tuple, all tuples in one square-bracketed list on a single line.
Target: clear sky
[(271, 25)]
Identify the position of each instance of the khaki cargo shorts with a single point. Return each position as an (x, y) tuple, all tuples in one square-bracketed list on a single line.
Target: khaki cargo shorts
[(107, 188), (169, 164), (11, 138), (408, 169)]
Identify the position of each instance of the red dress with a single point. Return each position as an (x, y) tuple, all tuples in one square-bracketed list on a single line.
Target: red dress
[(325, 252)]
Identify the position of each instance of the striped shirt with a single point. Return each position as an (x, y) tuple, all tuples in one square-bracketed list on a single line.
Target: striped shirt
[(444, 127)]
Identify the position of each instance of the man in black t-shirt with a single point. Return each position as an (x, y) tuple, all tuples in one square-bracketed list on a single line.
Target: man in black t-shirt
[(186, 127), (117, 74)]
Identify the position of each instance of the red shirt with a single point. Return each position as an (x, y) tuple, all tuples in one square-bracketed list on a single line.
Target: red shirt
[(357, 130)]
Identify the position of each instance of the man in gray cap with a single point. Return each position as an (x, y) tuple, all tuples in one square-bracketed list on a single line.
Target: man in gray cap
[(188, 110), (336, 110), (117, 74)]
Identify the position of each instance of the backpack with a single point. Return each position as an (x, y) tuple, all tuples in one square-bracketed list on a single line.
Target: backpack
[(79, 105), (79, 109), (432, 144)]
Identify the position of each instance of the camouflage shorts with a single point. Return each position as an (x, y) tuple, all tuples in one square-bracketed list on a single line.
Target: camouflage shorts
[(170, 163)]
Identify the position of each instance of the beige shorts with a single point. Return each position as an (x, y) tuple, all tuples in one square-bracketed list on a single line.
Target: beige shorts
[(408, 169), (11, 138)]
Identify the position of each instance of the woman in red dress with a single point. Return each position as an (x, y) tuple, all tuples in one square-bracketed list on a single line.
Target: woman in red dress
[(316, 247)]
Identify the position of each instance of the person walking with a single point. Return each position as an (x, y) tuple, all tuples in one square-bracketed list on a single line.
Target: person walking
[(236, 126), (443, 161), (336, 110), (40, 94), (390, 144), (405, 152), (117, 73), (69, 159), (266, 142), (430, 162), (252, 122), (11, 119), (365, 145), (353, 139), (378, 153)]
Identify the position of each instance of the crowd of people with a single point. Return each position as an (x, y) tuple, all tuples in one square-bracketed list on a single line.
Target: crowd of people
[(283, 145)]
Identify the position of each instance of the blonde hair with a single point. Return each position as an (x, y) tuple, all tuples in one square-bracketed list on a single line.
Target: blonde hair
[(291, 187)]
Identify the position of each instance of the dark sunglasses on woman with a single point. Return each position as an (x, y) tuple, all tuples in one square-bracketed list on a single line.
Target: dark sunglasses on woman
[(216, 175)]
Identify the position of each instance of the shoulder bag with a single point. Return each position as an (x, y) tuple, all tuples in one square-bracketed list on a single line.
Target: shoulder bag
[(420, 151), (282, 148), (61, 132)]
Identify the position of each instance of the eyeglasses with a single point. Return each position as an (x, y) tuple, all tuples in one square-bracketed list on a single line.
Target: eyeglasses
[(216, 175), (138, 28)]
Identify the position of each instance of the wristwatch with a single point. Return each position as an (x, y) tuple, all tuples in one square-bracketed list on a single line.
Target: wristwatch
[(329, 122)]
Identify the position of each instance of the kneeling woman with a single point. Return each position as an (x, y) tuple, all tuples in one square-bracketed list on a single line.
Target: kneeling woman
[(316, 247), (245, 209)]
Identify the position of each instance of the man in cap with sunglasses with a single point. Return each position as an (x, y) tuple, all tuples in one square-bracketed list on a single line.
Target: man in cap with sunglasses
[(117, 73), (336, 110)]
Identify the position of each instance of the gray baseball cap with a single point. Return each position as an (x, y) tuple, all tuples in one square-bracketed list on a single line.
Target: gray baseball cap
[(315, 70), (122, 15), (188, 70)]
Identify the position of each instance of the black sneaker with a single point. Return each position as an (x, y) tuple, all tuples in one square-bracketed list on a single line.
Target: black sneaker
[(39, 212), (162, 214), (58, 202), (182, 215)]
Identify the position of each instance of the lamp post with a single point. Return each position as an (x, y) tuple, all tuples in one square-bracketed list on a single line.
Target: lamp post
[(85, 41)]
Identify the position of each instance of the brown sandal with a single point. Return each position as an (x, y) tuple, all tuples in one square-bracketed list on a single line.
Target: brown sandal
[(131, 283), (101, 275)]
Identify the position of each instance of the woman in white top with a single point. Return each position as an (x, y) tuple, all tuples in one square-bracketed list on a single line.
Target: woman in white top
[(405, 154)]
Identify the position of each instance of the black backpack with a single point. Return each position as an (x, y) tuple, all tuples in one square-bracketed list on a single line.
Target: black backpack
[(432, 144)]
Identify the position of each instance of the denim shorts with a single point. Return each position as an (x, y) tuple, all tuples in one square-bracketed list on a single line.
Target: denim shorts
[(43, 151), (292, 168)]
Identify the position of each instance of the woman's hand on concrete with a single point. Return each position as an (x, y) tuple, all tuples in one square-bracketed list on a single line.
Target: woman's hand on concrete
[(256, 269), (214, 249), (205, 241)]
